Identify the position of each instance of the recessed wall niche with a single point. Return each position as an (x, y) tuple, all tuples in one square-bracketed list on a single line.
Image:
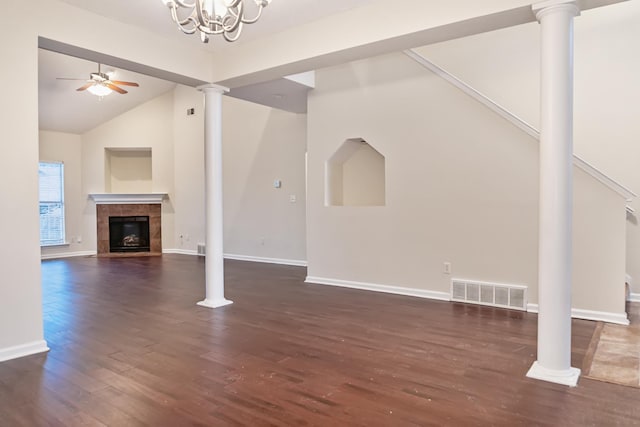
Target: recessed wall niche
[(127, 170), (355, 175)]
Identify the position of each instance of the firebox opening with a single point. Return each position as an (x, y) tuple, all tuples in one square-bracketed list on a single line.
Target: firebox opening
[(129, 234)]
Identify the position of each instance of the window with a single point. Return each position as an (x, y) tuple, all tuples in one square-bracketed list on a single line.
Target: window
[(51, 184)]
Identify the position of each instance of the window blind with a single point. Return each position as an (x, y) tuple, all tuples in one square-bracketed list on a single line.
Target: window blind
[(51, 185)]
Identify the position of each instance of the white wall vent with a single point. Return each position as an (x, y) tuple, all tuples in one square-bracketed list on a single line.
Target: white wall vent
[(491, 294), (201, 249)]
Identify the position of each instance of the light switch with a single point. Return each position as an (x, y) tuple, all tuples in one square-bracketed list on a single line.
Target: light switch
[(277, 183), (292, 198)]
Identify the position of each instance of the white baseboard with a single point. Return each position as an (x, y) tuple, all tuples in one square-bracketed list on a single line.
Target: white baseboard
[(281, 261), (23, 350), (634, 297), (602, 316), (412, 292), (180, 251), (67, 254), (294, 262)]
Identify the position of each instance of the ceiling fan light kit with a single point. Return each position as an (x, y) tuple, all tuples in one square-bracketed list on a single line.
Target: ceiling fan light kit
[(99, 90), (100, 84), (213, 17)]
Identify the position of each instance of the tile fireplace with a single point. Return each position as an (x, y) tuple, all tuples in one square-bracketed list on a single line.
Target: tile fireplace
[(126, 227)]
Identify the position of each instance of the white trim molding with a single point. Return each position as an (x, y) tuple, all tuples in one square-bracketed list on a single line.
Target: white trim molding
[(236, 257), (281, 261), (68, 254), (603, 179), (634, 297), (601, 316), (398, 290), (475, 94), (128, 199), (23, 350), (180, 251)]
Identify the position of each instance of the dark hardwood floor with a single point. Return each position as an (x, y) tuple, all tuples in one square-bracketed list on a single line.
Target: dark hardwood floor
[(130, 347)]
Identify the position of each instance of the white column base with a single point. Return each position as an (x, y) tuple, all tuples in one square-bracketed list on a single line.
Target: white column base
[(566, 377), (211, 303)]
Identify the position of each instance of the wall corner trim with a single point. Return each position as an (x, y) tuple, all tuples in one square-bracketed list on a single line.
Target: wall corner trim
[(411, 292), (22, 350), (601, 316)]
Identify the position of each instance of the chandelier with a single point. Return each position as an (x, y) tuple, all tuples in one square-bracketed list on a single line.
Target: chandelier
[(213, 17)]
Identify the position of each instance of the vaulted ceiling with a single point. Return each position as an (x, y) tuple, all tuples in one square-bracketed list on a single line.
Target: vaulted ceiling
[(64, 109), (307, 35)]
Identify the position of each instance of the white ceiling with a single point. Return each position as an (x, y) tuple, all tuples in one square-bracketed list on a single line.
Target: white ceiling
[(280, 15), (63, 109)]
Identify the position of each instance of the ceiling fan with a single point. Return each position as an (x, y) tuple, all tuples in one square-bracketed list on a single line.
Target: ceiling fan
[(100, 84)]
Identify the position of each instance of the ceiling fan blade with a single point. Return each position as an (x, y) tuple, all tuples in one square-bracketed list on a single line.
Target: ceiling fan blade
[(68, 78), (115, 88), (121, 83), (85, 87)]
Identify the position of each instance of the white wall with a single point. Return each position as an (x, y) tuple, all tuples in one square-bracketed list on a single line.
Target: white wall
[(598, 246), (20, 293), (363, 178), (462, 187), (149, 125), (188, 138), (505, 65), (260, 145), (128, 171), (67, 148)]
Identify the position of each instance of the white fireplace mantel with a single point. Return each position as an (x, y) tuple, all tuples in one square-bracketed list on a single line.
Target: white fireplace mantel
[(128, 199)]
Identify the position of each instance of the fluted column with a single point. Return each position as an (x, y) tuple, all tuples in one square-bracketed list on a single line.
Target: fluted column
[(556, 193), (214, 259)]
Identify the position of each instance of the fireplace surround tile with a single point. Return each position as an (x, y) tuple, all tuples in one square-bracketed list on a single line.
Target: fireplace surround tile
[(153, 211)]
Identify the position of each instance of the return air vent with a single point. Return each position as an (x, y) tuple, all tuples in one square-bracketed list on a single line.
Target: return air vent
[(491, 294), (201, 249)]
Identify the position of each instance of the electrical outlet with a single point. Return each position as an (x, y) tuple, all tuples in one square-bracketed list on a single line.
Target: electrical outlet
[(292, 198), (447, 268)]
